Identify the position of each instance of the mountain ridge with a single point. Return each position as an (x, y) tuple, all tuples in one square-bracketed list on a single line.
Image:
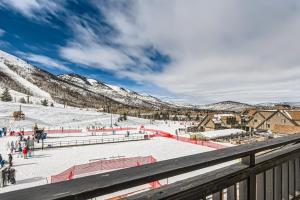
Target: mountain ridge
[(80, 91), (76, 89)]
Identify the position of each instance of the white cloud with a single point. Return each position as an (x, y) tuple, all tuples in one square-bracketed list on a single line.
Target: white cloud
[(45, 61), (87, 48), (2, 32), (34, 9), (244, 51)]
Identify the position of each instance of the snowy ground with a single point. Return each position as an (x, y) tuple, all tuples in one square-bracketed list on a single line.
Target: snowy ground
[(45, 163), (69, 118), (35, 171)]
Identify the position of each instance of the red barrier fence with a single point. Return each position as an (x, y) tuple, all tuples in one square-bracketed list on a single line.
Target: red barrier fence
[(101, 165), (58, 131), (184, 139)]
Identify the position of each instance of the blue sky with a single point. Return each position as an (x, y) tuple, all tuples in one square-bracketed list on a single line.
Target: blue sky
[(196, 51), (38, 34)]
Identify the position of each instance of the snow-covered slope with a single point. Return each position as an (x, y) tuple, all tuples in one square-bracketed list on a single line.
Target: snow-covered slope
[(71, 89), (116, 93), (9, 60), (226, 106)]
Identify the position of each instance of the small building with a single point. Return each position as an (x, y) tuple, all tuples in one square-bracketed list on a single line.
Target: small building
[(218, 121)]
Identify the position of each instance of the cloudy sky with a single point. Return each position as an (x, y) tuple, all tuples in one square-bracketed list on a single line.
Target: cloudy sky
[(197, 51)]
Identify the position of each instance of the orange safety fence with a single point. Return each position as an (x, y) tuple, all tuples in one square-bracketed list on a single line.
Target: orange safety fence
[(185, 139), (101, 165)]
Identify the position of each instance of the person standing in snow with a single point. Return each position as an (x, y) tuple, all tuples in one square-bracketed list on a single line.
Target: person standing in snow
[(16, 145), (8, 146), (1, 161), (10, 158), (4, 131), (25, 151), (12, 146), (20, 150)]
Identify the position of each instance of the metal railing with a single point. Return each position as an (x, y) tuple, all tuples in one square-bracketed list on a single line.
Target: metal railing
[(69, 143), (267, 170)]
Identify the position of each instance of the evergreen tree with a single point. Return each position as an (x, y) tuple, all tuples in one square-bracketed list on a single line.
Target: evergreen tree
[(125, 117), (44, 102), (175, 118), (52, 105), (197, 118), (6, 96), (156, 116)]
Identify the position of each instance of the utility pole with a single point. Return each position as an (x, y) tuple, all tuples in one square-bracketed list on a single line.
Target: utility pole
[(108, 106), (64, 100), (110, 115)]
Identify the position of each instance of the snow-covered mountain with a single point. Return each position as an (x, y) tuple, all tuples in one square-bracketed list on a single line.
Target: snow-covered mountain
[(116, 93), (78, 91), (72, 89), (226, 106)]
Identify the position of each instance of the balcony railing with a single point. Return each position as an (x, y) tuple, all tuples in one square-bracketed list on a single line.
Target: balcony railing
[(263, 170)]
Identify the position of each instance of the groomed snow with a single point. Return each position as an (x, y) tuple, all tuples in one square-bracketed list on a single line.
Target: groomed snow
[(34, 171)]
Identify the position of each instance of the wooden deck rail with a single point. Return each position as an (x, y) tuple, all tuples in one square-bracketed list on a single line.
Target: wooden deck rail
[(272, 175)]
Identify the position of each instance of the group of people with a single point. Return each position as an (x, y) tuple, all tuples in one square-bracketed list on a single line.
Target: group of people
[(24, 146), (7, 174)]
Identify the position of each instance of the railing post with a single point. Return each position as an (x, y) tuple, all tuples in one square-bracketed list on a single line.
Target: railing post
[(285, 181), (297, 177), (217, 196), (251, 181), (231, 193)]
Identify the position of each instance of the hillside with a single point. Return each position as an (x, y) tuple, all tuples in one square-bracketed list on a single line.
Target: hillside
[(70, 89), (116, 93), (226, 106), (75, 90)]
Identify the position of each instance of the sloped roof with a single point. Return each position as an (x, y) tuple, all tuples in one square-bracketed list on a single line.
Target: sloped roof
[(294, 114), (251, 112), (286, 129), (266, 114)]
